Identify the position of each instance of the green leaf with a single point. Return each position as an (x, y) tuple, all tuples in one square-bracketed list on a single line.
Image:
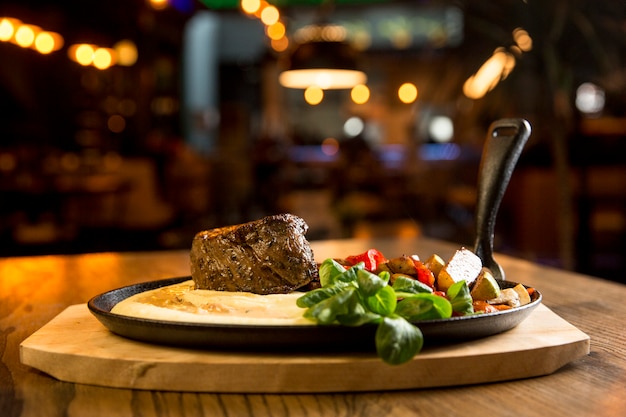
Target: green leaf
[(369, 283), (411, 286), (385, 276), (326, 311), (317, 295), (357, 314), (397, 341), (459, 295), (355, 320), (383, 302), (350, 275), (355, 296), (424, 307), (329, 271)]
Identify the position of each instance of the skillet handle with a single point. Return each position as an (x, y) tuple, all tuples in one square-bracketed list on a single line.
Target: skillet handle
[(504, 143)]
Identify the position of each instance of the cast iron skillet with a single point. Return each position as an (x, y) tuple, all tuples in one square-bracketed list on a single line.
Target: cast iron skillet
[(303, 337), (504, 143)]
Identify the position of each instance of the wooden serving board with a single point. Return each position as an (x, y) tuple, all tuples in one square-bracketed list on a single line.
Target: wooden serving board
[(75, 347)]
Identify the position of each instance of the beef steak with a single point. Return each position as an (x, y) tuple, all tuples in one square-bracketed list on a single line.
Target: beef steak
[(266, 256)]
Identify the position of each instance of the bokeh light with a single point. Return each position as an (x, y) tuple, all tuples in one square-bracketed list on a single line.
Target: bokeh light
[(360, 94), (81, 53), (523, 39), (25, 35), (116, 123), (275, 31), (270, 15), (7, 28), (441, 129), (498, 65), (280, 45), (330, 146), (158, 4), (313, 95), (354, 126), (407, 93), (590, 98), (250, 6), (103, 58), (47, 42), (126, 52)]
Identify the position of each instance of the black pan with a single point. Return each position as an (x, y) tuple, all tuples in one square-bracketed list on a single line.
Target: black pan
[(297, 337)]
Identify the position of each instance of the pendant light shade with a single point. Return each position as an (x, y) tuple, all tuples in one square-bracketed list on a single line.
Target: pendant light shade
[(322, 63)]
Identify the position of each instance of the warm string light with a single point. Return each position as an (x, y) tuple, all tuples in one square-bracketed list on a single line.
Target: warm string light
[(250, 6), (269, 15), (46, 42), (280, 45), (7, 28), (29, 36), (126, 53), (276, 31), (25, 35), (123, 53)]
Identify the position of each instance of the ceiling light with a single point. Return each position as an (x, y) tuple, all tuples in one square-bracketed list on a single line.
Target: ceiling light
[(328, 64)]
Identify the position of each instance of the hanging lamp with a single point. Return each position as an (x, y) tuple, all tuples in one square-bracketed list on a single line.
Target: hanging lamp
[(322, 58)]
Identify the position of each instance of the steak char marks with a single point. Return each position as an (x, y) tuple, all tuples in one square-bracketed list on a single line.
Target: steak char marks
[(266, 256)]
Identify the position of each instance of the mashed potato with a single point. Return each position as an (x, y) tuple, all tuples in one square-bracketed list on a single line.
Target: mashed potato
[(182, 303)]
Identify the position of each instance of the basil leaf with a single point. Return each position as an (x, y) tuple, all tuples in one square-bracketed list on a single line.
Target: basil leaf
[(459, 295), (369, 283), (424, 307), (397, 341), (383, 302), (329, 271), (409, 285)]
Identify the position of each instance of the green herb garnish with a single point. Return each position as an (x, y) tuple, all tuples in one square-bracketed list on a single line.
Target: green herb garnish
[(356, 296)]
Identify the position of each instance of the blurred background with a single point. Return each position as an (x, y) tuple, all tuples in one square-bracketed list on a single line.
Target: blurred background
[(131, 125)]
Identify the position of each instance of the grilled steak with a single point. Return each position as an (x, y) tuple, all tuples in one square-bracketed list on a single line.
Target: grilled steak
[(266, 256)]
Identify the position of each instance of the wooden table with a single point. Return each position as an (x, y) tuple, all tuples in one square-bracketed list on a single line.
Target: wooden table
[(33, 290)]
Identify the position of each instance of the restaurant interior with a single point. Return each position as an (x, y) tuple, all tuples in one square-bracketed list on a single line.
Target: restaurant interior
[(130, 125)]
